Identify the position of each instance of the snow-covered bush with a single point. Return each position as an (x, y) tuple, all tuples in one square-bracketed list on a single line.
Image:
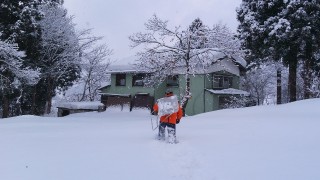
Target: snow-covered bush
[(239, 102), (315, 88)]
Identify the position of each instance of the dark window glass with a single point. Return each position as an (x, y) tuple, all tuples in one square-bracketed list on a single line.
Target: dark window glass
[(138, 79), (217, 81), (120, 79), (173, 80), (222, 81)]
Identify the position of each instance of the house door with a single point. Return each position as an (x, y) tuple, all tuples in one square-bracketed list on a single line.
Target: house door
[(142, 101), (116, 101)]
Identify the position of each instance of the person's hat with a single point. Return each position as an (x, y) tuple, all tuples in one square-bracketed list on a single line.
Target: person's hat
[(168, 91)]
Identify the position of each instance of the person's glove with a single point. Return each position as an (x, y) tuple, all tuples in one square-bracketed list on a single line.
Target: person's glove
[(177, 121)]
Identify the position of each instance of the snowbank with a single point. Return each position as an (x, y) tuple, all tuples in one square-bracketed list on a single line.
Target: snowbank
[(278, 142)]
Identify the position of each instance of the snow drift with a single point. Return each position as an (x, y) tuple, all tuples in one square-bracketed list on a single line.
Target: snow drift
[(256, 143)]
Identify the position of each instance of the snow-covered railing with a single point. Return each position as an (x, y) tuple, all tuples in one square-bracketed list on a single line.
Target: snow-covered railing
[(229, 91), (81, 105)]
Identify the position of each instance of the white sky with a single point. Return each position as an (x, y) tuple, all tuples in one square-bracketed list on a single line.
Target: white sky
[(116, 20)]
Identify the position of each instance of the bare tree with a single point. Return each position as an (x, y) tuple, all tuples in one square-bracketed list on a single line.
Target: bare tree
[(191, 49), (261, 81), (94, 65), (95, 59)]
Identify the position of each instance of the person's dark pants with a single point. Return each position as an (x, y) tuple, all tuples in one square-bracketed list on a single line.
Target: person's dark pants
[(171, 132)]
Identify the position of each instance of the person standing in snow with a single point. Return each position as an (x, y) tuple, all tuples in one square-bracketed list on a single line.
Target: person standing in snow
[(170, 113)]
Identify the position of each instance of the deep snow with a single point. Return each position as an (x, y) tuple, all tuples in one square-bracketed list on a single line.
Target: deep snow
[(257, 143)]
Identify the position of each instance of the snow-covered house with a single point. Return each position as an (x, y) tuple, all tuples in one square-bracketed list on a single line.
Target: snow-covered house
[(210, 87)]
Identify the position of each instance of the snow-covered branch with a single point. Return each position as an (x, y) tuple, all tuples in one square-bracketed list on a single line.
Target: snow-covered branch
[(11, 67), (166, 49)]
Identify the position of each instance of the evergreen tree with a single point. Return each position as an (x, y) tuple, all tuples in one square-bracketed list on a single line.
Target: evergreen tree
[(12, 74), (20, 23), (280, 30), (59, 51), (304, 17), (255, 16)]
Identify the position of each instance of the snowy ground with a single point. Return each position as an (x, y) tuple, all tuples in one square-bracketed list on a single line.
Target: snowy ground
[(258, 143)]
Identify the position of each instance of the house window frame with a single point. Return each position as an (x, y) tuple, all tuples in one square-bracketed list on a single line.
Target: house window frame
[(121, 80), (174, 79), (139, 76), (224, 81)]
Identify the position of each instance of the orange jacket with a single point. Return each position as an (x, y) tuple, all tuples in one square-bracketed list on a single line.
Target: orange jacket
[(170, 118)]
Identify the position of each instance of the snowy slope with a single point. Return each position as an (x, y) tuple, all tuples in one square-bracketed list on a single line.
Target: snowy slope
[(256, 143)]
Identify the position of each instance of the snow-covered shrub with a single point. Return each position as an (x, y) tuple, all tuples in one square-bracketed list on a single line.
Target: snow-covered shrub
[(315, 88), (239, 101)]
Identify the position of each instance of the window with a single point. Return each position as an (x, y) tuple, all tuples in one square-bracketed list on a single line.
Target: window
[(138, 79), (173, 80), (120, 79), (222, 81)]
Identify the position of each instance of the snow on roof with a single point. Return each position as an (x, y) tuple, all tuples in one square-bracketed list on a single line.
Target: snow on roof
[(105, 84), (240, 61), (126, 60), (230, 91), (129, 68), (142, 93), (110, 94), (236, 59), (223, 63), (81, 105)]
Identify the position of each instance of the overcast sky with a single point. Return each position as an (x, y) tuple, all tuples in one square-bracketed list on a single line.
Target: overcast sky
[(117, 19)]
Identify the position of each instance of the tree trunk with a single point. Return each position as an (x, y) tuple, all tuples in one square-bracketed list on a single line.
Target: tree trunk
[(293, 79), (91, 98), (5, 106), (34, 95), (307, 73), (18, 110), (84, 92), (279, 89), (306, 79), (187, 95), (49, 96)]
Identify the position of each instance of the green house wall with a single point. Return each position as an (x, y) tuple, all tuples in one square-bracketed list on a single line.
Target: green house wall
[(128, 88), (200, 102), (196, 104)]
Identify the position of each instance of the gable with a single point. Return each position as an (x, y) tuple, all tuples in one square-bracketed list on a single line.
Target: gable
[(225, 65)]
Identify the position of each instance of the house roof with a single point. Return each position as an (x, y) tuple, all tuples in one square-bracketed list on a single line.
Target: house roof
[(111, 94), (227, 65), (104, 85), (125, 69), (229, 91), (223, 63), (240, 61)]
